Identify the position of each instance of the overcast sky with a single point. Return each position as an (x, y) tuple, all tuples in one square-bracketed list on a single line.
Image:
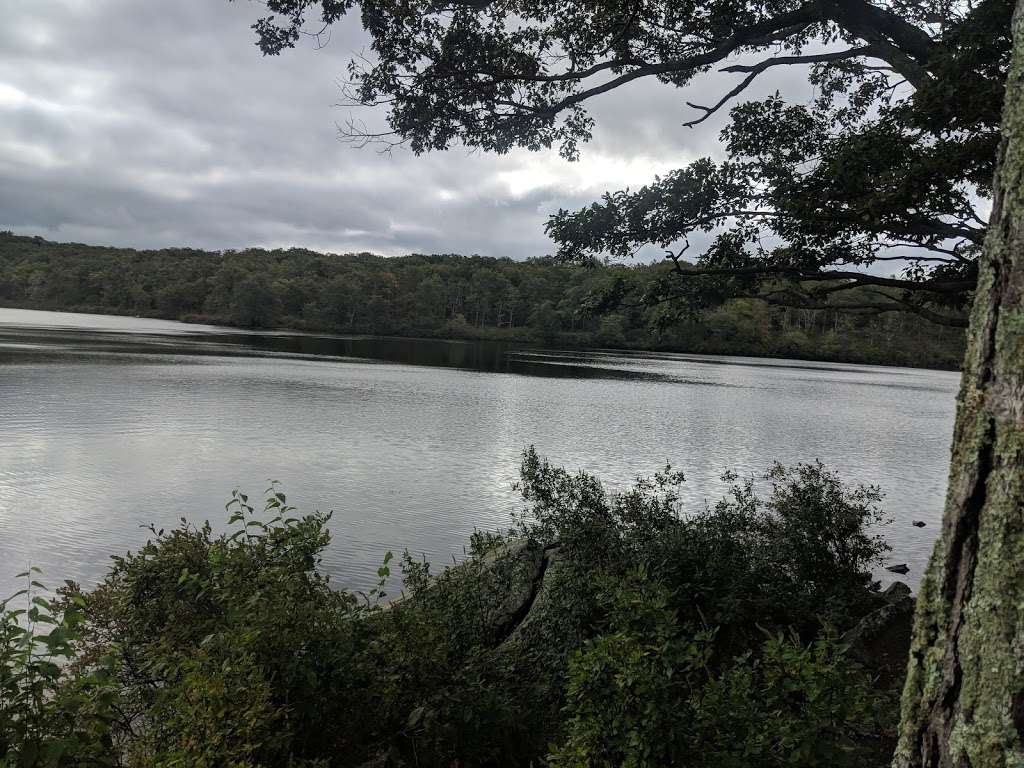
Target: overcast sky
[(153, 124)]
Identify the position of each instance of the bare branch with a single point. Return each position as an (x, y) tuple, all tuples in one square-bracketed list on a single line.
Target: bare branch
[(756, 69), (709, 111), (819, 58)]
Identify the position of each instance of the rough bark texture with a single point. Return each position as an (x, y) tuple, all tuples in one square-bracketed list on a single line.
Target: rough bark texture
[(963, 702)]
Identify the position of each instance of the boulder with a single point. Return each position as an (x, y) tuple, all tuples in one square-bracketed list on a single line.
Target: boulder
[(498, 587), (511, 576), (895, 592), (553, 561), (881, 640)]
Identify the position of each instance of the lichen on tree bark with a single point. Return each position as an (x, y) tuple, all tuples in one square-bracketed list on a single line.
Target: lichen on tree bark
[(963, 701)]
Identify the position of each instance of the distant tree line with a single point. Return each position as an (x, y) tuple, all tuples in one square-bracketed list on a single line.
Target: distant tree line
[(446, 295)]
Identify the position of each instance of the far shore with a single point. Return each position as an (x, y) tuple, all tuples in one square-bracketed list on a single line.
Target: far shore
[(458, 333)]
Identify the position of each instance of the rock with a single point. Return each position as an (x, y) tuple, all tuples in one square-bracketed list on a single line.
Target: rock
[(503, 582), (918, 523), (895, 592), (881, 640), (553, 561), (514, 573), (901, 568)]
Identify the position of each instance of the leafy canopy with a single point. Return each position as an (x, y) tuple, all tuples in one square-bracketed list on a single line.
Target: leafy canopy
[(896, 150)]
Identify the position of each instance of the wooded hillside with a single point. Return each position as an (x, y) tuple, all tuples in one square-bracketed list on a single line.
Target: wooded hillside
[(445, 296)]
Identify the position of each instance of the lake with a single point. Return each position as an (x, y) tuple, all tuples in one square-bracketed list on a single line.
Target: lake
[(108, 424)]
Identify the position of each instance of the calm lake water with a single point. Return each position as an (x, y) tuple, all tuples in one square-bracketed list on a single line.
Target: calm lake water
[(108, 424)]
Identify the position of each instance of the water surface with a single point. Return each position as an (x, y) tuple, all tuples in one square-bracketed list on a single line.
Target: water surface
[(108, 424)]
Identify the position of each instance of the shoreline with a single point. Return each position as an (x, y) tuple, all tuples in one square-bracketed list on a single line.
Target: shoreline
[(489, 336)]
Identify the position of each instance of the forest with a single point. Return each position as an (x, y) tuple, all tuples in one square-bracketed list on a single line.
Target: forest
[(541, 300)]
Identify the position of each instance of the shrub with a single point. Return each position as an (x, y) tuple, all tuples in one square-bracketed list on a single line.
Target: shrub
[(803, 554), (627, 686), (645, 693), (790, 704), (237, 634), (598, 527), (50, 715), (607, 624)]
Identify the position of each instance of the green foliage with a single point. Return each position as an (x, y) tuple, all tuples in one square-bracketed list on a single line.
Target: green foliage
[(606, 628), (49, 716), (645, 692), (791, 704), (885, 156), (220, 710), (443, 296), (627, 688), (598, 528), (235, 649), (545, 322), (253, 304), (805, 551)]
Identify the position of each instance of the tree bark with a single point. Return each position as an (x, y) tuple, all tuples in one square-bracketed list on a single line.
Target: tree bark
[(963, 701)]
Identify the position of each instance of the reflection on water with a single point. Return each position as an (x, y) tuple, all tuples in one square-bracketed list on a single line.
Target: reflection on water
[(110, 423)]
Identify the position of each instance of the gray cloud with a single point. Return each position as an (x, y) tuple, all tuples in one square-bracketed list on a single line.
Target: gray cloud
[(160, 124)]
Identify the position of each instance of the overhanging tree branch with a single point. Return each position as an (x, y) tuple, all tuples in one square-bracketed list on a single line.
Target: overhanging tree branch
[(856, 278), (756, 69), (835, 180)]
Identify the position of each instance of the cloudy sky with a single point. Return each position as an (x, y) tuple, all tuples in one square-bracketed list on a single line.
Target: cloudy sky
[(152, 124)]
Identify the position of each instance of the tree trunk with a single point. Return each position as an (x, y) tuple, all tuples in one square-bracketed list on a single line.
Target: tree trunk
[(963, 702)]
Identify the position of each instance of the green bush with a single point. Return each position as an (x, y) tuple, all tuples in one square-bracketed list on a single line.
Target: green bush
[(627, 686), (790, 704), (802, 554), (646, 692), (606, 628), (50, 716), (234, 648)]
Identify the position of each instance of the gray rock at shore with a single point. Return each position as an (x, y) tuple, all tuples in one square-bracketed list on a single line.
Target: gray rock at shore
[(896, 592), (503, 584), (553, 561), (881, 640), (514, 572)]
